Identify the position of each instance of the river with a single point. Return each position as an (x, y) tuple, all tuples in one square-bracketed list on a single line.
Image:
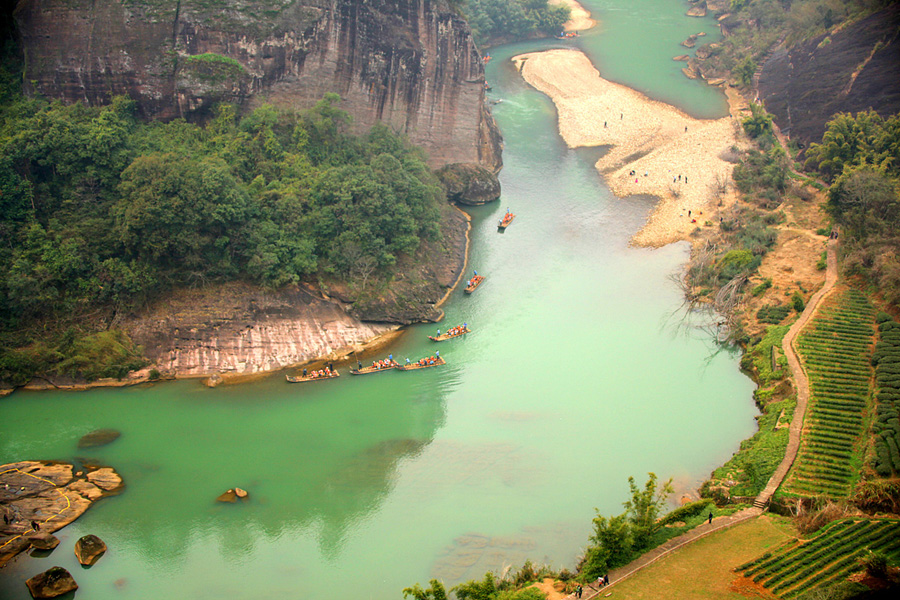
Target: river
[(580, 371)]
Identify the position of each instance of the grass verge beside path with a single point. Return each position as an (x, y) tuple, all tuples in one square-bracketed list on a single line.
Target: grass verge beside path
[(703, 569)]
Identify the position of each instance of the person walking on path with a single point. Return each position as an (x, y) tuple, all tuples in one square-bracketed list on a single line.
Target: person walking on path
[(710, 517), (578, 591)]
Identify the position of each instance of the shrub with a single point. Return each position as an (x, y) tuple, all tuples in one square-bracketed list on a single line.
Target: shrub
[(797, 302), (772, 313), (875, 564), (760, 289)]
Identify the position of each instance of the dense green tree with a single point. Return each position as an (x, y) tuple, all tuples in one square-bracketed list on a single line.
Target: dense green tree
[(644, 507), (99, 212), (435, 592), (513, 19), (759, 122), (852, 141)]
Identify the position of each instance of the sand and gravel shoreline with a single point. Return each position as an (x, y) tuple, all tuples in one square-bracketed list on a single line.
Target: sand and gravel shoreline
[(579, 18), (651, 143)]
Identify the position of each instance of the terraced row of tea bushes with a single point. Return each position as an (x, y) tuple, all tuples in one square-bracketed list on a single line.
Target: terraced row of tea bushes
[(833, 554), (886, 360), (836, 348)]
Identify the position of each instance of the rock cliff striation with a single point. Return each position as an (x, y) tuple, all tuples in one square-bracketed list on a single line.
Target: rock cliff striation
[(410, 63), (861, 64)]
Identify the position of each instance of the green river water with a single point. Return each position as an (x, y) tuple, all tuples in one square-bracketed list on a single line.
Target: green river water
[(579, 373)]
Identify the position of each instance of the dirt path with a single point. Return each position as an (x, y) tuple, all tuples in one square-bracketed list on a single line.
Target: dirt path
[(796, 427), (801, 382)]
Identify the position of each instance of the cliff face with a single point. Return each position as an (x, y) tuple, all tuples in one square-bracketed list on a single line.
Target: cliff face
[(850, 70), (409, 63), (238, 329)]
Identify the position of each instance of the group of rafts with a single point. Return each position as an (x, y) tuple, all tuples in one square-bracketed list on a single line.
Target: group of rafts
[(380, 366)]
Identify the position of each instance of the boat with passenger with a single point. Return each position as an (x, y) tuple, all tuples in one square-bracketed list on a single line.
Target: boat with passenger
[(453, 332), (423, 363), (506, 220), (474, 283), (317, 375), (377, 366)]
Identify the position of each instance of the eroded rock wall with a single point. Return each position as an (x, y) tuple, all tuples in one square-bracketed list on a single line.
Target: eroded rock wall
[(850, 70), (239, 329), (410, 63)]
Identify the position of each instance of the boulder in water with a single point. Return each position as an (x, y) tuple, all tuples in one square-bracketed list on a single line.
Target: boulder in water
[(240, 493), (469, 184), (214, 380), (89, 549), (100, 437), (43, 541), (53, 582)]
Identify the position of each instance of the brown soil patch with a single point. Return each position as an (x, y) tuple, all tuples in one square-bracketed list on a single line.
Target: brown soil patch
[(791, 264), (747, 587), (552, 588)]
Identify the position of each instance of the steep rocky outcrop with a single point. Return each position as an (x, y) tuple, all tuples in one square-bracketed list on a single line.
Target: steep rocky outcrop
[(410, 63), (860, 61), (469, 184)]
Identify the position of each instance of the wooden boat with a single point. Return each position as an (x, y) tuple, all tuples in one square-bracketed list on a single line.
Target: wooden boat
[(370, 369), (474, 283), (413, 366), (446, 336), (506, 220), (302, 379)]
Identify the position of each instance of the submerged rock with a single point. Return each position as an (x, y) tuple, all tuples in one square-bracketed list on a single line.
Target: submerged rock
[(100, 437), (53, 582), (469, 184), (89, 549), (229, 496)]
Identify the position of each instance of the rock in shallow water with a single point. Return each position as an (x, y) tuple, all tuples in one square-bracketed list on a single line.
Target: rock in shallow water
[(53, 582), (43, 541), (89, 549)]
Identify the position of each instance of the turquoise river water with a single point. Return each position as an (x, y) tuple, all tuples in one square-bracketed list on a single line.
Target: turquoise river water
[(580, 371)]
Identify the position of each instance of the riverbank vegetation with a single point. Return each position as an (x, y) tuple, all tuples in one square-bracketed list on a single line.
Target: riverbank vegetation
[(100, 213), (502, 21)]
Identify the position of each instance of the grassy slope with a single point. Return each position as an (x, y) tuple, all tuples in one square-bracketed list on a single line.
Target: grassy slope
[(703, 569)]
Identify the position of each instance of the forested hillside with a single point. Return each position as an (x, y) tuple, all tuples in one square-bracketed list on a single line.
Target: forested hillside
[(508, 20), (100, 212), (860, 156)]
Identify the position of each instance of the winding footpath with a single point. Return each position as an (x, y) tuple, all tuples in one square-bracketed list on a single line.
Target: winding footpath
[(801, 383)]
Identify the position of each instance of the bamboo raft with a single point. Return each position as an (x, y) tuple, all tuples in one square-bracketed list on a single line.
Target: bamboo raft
[(370, 369), (446, 336), (413, 366), (474, 283), (301, 379), (506, 220)]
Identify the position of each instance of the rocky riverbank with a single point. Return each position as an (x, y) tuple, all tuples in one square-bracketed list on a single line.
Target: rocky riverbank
[(40, 497)]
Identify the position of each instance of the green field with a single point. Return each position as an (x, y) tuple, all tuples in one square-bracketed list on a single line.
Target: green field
[(835, 350), (798, 566)]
